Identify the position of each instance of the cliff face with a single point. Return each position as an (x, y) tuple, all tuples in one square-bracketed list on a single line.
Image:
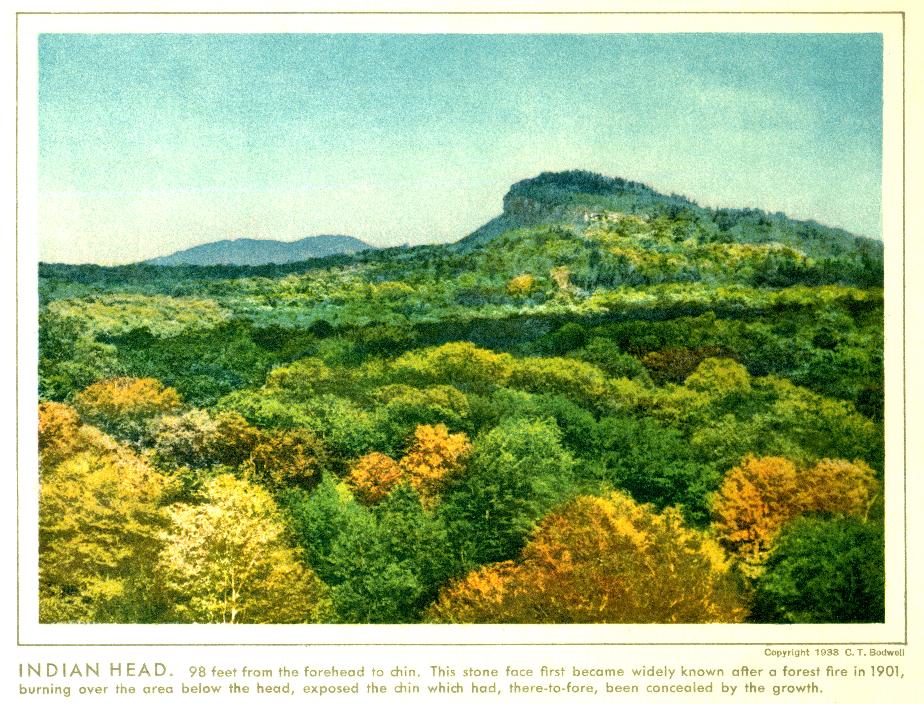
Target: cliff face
[(582, 198)]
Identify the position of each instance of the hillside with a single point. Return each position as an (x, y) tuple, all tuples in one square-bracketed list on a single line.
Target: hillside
[(251, 252), (582, 199), (608, 405)]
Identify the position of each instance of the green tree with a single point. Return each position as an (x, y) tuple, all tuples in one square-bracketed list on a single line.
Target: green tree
[(317, 519), (654, 464), (70, 358), (517, 472), (608, 356), (824, 571), (302, 379), (383, 564), (390, 564)]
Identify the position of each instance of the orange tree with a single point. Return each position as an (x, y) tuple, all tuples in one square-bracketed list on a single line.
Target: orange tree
[(601, 560)]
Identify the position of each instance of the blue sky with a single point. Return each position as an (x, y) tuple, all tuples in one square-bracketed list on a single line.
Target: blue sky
[(156, 142)]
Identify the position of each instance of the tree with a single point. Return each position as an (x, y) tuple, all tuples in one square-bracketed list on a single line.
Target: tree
[(388, 565), (283, 458), (568, 337), (124, 406), (719, 378), (302, 379), (582, 382), (609, 357), (754, 501), (461, 364), (99, 517), (70, 358), (760, 496), (226, 561), (373, 476), (674, 364), (653, 463), (577, 424), (318, 518), (838, 488), (516, 473), (601, 560), (186, 439), (202, 440), (522, 285), (561, 275), (408, 407), (824, 571), (58, 432), (383, 563), (435, 455)]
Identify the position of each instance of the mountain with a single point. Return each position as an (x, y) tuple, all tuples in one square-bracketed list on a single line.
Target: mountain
[(584, 199), (251, 252)]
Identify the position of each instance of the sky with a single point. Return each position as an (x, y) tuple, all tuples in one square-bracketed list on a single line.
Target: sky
[(152, 143)]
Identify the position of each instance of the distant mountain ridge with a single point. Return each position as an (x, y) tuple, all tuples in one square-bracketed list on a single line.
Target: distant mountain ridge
[(582, 198), (253, 252)]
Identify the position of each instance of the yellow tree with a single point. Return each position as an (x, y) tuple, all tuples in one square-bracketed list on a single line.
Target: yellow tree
[(461, 364), (125, 405), (435, 455), (719, 377), (754, 501), (522, 285), (226, 560), (99, 516), (601, 560), (59, 426), (838, 487)]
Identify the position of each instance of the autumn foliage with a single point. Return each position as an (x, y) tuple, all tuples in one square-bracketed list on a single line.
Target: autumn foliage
[(98, 523), (287, 458), (123, 406), (521, 285), (453, 432), (58, 428), (374, 476), (755, 500), (434, 456), (601, 560), (226, 561), (758, 497), (838, 488)]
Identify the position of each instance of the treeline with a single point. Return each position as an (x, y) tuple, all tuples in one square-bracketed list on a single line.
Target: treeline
[(442, 484)]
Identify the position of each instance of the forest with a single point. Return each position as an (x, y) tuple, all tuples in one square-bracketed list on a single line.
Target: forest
[(607, 405)]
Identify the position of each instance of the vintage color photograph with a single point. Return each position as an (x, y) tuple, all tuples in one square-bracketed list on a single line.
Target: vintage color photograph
[(460, 328)]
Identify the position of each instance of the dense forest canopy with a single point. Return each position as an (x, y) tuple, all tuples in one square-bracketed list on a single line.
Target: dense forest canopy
[(602, 390)]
